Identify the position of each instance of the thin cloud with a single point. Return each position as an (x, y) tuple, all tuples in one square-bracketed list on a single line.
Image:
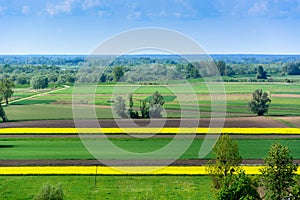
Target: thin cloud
[(62, 7), (26, 10), (259, 8), (87, 4), (134, 15), (105, 13)]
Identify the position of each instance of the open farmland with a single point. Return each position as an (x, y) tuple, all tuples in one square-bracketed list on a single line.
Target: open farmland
[(110, 187), (58, 104)]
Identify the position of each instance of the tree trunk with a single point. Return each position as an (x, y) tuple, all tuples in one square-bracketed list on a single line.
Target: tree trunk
[(3, 114)]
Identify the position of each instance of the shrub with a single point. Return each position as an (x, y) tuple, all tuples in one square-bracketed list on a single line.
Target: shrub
[(50, 192), (237, 187)]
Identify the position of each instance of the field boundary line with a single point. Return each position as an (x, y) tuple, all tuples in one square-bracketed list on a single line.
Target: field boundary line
[(72, 131)]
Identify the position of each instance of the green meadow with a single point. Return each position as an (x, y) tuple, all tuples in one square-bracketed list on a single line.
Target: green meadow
[(73, 148), (110, 187)]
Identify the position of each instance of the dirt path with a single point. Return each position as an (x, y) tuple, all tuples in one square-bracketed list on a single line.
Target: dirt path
[(40, 94)]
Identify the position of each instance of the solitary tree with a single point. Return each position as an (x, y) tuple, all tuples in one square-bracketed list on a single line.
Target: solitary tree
[(5, 92), (261, 73), (277, 176), (260, 102), (6, 89), (120, 107), (227, 160)]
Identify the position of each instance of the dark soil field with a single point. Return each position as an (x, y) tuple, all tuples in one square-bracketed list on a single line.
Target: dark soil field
[(241, 122)]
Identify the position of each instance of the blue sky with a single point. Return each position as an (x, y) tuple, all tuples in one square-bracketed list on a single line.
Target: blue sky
[(219, 26)]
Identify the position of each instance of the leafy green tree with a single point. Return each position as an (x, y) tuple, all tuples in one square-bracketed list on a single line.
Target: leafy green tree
[(118, 72), (260, 102), (50, 192), (6, 86), (261, 73), (144, 110), (156, 105), (237, 187), (133, 114), (292, 68), (39, 82), (295, 194), (277, 176), (227, 160), (120, 107), (221, 65)]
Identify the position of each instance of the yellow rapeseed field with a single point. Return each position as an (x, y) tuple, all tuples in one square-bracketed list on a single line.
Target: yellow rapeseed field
[(292, 131), (122, 170)]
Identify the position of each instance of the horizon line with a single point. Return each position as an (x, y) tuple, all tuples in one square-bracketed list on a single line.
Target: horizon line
[(145, 54)]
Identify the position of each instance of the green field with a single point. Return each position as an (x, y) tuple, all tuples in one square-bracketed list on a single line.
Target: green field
[(110, 187), (58, 104), (72, 148), (198, 88)]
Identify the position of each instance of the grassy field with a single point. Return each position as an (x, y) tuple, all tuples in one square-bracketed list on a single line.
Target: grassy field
[(58, 105), (110, 187), (72, 148)]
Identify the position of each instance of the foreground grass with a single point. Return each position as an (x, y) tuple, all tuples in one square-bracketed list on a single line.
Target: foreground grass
[(110, 187), (72, 148)]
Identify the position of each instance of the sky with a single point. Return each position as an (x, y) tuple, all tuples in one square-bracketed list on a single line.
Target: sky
[(219, 26)]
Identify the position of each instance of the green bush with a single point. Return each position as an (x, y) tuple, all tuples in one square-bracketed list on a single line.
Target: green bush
[(50, 192), (238, 187)]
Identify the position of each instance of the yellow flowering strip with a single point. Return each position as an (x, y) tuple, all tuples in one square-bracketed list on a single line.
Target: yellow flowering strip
[(68, 131), (122, 170)]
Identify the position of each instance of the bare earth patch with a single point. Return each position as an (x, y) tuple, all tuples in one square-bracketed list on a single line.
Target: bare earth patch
[(235, 122), (294, 120)]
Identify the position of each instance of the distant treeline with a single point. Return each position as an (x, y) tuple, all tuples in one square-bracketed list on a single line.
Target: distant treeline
[(156, 68), (131, 60)]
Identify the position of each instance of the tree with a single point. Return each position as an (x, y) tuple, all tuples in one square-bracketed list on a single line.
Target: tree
[(260, 102), (133, 114), (237, 187), (2, 112), (6, 89), (39, 82), (156, 103), (221, 65), (292, 68), (277, 176), (120, 107), (118, 73), (227, 160), (261, 73), (144, 110)]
